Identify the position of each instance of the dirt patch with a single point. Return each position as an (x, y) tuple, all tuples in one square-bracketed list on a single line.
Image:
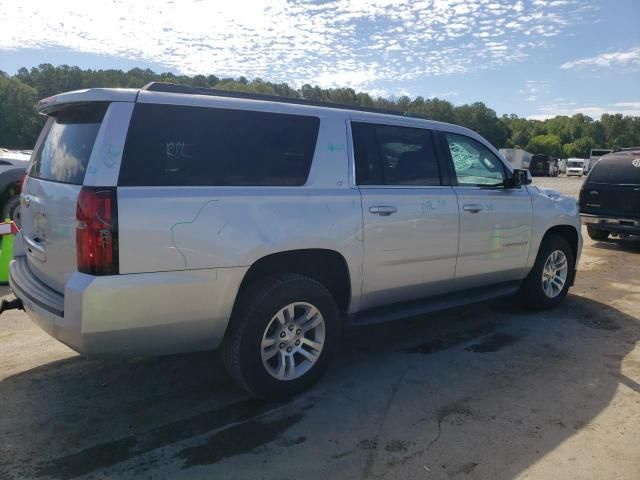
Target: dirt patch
[(493, 343)]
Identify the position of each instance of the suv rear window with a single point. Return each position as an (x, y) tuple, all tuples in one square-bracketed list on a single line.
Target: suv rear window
[(195, 146), (624, 170), (68, 139)]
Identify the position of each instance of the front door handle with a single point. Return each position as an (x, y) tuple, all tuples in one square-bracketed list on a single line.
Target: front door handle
[(472, 207), (383, 210)]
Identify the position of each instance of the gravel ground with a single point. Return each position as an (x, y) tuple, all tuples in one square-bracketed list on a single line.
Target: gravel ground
[(484, 392), (566, 185)]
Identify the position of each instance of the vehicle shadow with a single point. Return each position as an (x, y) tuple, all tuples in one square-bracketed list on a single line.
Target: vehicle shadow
[(482, 391), (631, 245)]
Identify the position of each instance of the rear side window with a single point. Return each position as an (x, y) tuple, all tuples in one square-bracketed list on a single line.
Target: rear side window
[(194, 146), (392, 155), (68, 140), (621, 171)]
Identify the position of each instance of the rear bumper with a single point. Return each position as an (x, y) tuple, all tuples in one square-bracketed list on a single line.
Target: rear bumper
[(629, 226), (135, 314)]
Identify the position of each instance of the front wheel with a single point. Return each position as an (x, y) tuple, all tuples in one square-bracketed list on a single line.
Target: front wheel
[(549, 280), (282, 335), (596, 234)]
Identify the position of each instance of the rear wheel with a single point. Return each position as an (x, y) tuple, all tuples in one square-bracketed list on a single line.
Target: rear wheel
[(549, 280), (283, 333), (597, 234)]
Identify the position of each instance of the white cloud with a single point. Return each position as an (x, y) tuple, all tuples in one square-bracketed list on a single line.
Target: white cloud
[(448, 93), (612, 59), (594, 111), (359, 43), (629, 105), (534, 88)]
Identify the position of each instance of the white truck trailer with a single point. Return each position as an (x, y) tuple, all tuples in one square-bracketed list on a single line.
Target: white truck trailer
[(517, 157)]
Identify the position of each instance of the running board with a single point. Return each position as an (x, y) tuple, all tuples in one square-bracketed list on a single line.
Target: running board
[(404, 310)]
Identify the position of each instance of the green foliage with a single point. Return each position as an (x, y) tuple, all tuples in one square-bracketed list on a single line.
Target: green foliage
[(558, 136), (548, 144), (580, 148), (483, 120), (19, 123)]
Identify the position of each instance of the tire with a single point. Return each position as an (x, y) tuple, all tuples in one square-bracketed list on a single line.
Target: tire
[(254, 318), (11, 210), (596, 234), (532, 292)]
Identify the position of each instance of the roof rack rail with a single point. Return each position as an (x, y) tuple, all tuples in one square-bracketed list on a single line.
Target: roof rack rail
[(214, 92)]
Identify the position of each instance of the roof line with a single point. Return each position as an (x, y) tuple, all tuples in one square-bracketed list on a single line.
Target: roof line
[(189, 90)]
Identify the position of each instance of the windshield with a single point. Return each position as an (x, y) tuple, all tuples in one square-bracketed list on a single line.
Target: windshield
[(575, 164)]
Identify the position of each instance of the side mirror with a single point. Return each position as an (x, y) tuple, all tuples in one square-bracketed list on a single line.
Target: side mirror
[(520, 176)]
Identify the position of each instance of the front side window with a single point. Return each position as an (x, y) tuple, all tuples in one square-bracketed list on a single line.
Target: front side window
[(170, 145), (392, 155), (69, 136), (474, 164)]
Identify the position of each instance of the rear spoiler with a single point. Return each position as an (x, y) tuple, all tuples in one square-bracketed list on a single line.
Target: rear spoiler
[(55, 102)]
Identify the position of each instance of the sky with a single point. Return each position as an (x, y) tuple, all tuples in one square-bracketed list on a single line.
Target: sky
[(534, 58)]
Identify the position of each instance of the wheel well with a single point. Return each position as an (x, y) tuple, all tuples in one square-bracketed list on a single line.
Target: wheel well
[(326, 266), (569, 233)]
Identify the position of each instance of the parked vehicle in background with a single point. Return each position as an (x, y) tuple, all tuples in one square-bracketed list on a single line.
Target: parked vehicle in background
[(517, 157), (575, 166), (543, 166), (610, 196), (173, 218), (629, 150), (13, 165), (595, 155), (562, 165)]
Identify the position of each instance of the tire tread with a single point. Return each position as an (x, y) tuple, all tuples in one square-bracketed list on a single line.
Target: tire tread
[(248, 300)]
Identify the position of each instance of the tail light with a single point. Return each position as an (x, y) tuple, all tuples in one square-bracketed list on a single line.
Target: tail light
[(97, 231)]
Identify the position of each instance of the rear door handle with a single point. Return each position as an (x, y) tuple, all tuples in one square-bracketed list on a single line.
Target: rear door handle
[(472, 207), (383, 210)]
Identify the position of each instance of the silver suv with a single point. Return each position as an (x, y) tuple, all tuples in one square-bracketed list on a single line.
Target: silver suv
[(171, 219)]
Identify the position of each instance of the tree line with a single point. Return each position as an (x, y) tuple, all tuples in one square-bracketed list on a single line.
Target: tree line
[(561, 136)]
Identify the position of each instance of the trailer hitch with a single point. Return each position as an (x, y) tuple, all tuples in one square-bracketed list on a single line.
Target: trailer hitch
[(15, 304)]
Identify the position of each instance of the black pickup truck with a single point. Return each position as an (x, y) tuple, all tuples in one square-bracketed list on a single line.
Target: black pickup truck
[(610, 196)]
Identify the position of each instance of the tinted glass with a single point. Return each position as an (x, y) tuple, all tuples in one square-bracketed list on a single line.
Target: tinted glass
[(367, 155), (624, 170), (474, 163), (392, 155), (177, 145), (64, 153)]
